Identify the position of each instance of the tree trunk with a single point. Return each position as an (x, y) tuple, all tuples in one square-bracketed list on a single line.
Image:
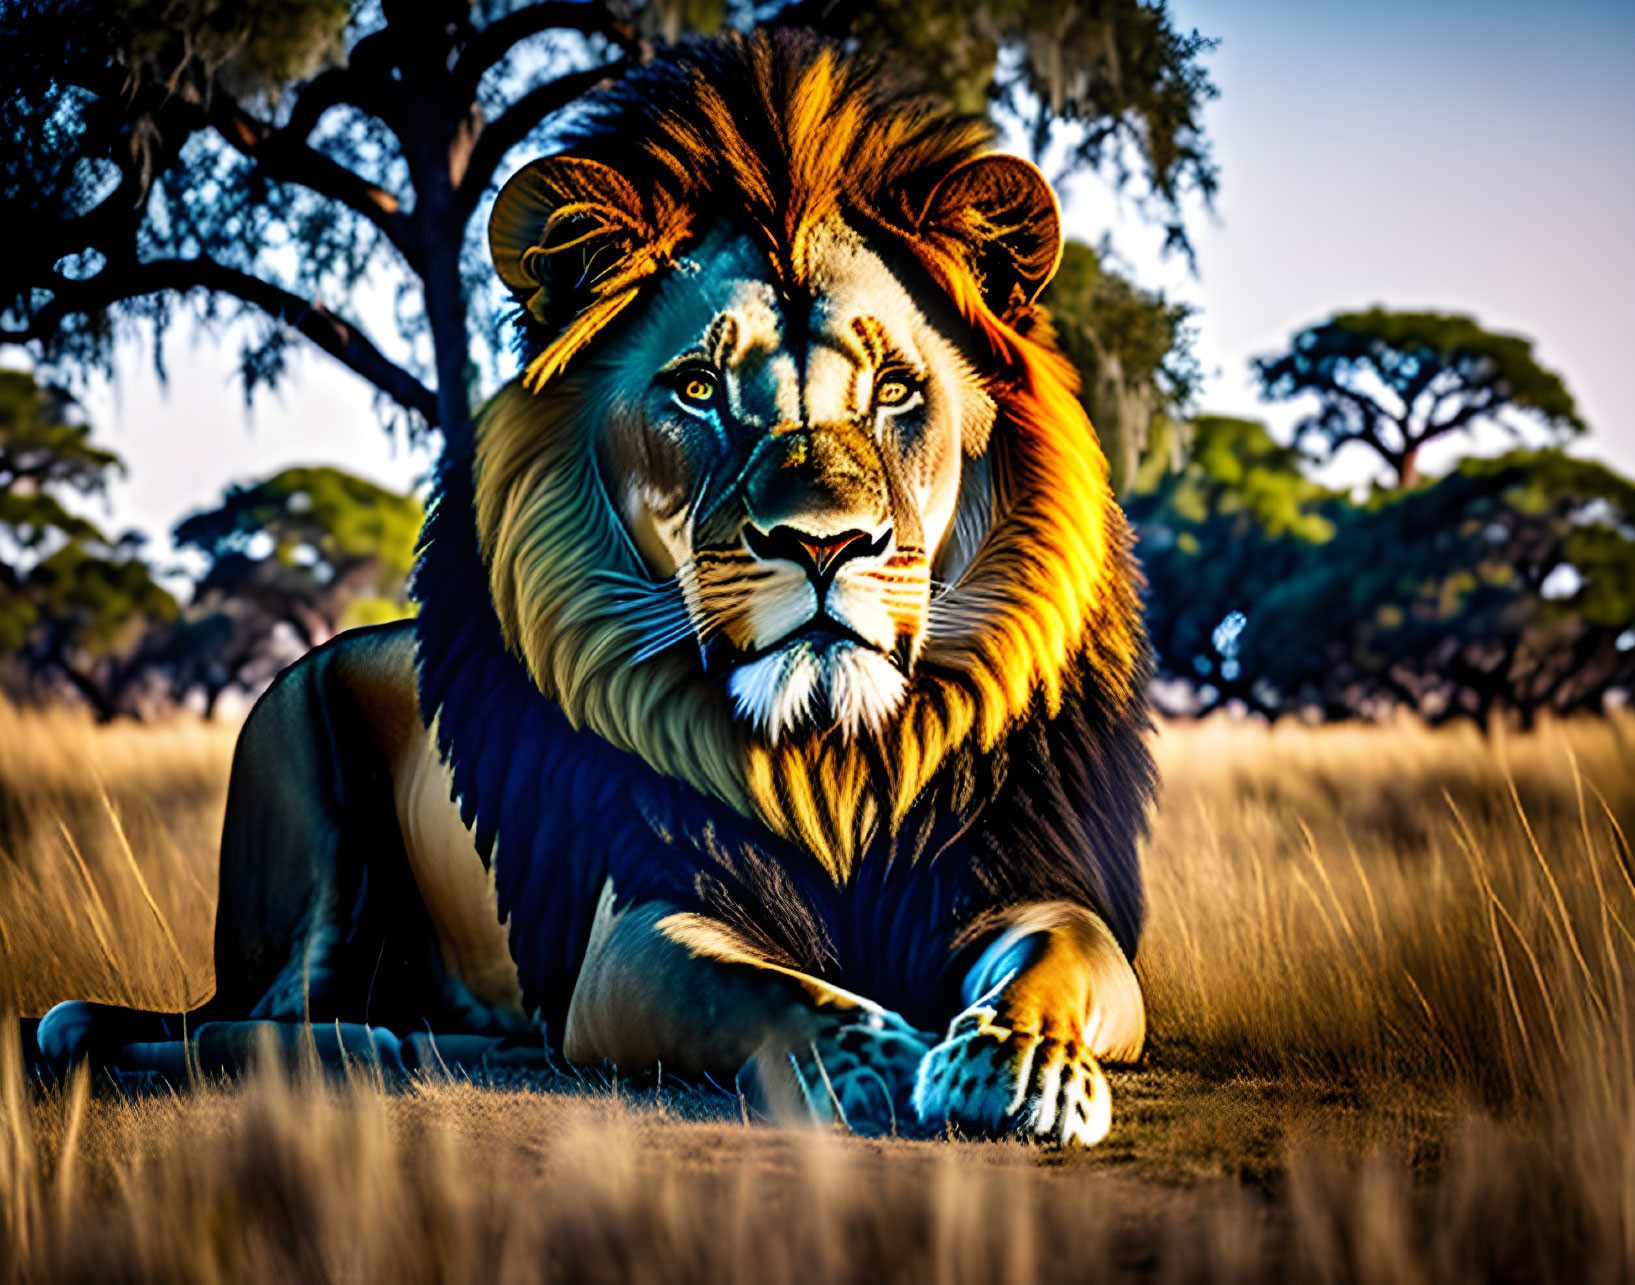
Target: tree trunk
[(94, 696), (433, 120), (1408, 469), (430, 124), (446, 314)]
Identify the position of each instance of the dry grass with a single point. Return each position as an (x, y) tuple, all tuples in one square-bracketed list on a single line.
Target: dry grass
[(108, 843), (1389, 978)]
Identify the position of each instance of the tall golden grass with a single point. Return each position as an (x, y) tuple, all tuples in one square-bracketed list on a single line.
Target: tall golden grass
[(1389, 974), (108, 844)]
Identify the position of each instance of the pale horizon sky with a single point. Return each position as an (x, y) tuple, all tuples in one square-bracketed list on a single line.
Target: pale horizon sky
[(1463, 156)]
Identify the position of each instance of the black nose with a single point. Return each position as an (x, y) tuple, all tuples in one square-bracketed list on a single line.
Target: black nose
[(819, 555)]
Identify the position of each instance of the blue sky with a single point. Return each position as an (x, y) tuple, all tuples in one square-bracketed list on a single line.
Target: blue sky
[(1475, 157), (1460, 156)]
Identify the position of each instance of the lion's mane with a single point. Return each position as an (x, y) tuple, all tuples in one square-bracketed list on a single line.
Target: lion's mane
[(1017, 769)]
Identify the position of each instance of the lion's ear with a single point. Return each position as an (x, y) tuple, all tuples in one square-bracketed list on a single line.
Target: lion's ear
[(1001, 209), (558, 221)]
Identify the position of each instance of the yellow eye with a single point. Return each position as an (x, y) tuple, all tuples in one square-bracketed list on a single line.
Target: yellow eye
[(698, 388), (891, 392)]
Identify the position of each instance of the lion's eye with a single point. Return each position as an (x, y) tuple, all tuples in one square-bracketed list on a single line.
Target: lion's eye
[(892, 390), (698, 387)]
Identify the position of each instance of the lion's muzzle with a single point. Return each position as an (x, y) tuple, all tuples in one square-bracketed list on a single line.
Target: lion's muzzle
[(822, 481)]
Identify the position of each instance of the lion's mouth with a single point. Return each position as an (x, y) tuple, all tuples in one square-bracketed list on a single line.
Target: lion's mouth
[(820, 633)]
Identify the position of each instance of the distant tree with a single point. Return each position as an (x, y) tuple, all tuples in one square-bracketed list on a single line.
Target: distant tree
[(1506, 586), (1394, 381), (263, 160), (1214, 538), (293, 560), (1523, 598), (1133, 351), (74, 603)]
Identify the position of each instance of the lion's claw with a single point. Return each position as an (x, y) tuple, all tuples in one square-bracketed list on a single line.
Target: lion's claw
[(990, 1079)]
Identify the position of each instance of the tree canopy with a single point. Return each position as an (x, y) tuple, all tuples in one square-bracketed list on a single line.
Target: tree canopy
[(1112, 81), (1393, 381), (75, 604), (290, 560), (280, 162), (1133, 351), (316, 548), (1507, 585)]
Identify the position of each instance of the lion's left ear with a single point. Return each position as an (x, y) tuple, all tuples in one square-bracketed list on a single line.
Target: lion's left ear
[(574, 241), (555, 223), (1001, 209)]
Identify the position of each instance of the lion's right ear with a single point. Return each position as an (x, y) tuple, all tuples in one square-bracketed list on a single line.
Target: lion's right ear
[(1002, 213), (558, 224)]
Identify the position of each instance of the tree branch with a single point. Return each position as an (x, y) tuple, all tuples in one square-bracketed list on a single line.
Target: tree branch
[(505, 131), (498, 38), (352, 84), (285, 156), (1370, 409), (1483, 401), (1366, 436), (325, 90), (336, 336)]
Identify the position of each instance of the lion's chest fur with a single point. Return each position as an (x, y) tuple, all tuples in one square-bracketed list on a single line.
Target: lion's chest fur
[(1052, 813)]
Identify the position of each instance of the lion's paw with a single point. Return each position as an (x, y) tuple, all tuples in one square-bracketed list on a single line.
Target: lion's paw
[(989, 1079), (858, 1069)]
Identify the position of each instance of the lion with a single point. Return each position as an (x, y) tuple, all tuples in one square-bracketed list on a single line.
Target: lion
[(776, 702)]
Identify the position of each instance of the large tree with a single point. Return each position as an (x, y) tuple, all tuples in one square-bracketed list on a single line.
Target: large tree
[(264, 161), (291, 560), (1393, 381), (1215, 536)]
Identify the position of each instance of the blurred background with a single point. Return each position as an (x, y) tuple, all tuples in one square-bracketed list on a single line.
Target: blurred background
[(1349, 288)]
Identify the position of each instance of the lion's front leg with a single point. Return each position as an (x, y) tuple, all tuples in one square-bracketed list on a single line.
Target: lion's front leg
[(679, 990), (1049, 1000)]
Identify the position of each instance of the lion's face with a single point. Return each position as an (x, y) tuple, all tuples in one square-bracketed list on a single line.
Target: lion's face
[(793, 459)]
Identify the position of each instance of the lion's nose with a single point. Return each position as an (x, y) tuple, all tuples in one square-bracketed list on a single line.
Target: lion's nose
[(820, 556)]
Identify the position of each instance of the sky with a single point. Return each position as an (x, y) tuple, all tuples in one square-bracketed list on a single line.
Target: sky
[(1473, 157)]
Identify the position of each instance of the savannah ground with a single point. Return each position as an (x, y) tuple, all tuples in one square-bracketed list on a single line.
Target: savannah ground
[(1391, 986)]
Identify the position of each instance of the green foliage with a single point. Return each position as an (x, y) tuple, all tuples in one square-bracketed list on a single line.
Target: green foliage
[(253, 48), (74, 605), (1237, 471), (1396, 380), (1133, 352), (316, 547), (104, 600), (1508, 584), (311, 549), (316, 517), (293, 559)]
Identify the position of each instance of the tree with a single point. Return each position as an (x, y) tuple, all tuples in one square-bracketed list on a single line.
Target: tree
[(264, 160), (1214, 538), (1133, 353), (1507, 585), (293, 560), (74, 604), (1111, 80), (1394, 381)]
